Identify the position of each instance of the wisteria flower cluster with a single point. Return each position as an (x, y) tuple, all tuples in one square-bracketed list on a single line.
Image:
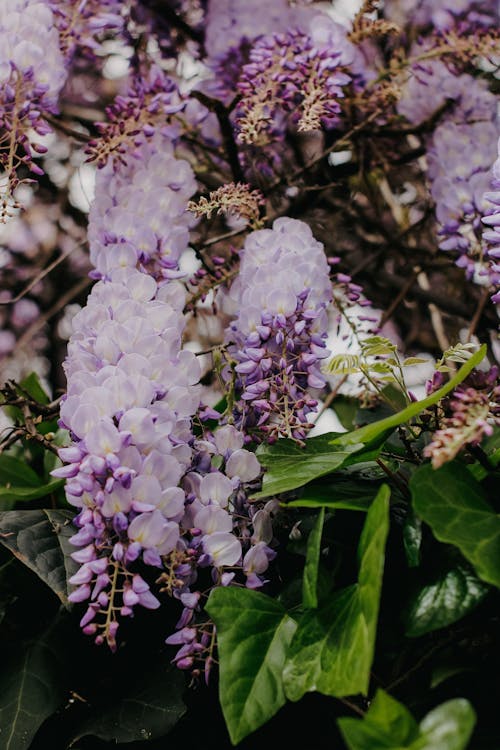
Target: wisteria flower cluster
[(302, 73), (82, 25), (138, 114), (457, 184), (277, 340), (139, 216), (249, 348), (472, 413), (492, 220), (32, 74)]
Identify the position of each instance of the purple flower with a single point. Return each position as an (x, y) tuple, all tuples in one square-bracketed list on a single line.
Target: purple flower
[(277, 338)]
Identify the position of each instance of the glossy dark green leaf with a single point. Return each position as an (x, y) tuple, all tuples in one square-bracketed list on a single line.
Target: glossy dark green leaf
[(310, 579), (346, 408), (20, 494), (332, 650), (14, 472), (253, 635), (447, 727), (412, 538), (388, 725), (341, 494), (32, 687), (40, 540), (449, 598), (289, 466), (454, 505), (150, 709)]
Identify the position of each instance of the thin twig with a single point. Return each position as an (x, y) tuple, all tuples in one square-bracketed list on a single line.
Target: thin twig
[(343, 141), (61, 302), (67, 130), (399, 298), (41, 276), (477, 314)]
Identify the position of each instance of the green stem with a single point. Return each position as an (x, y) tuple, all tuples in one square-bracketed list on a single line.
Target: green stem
[(372, 432)]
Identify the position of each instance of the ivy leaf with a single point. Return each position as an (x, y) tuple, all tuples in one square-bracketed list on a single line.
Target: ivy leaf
[(32, 687), (310, 579), (253, 634), (453, 595), (289, 466), (40, 540), (447, 727), (151, 710), (412, 539), (332, 650), (388, 725), (454, 505)]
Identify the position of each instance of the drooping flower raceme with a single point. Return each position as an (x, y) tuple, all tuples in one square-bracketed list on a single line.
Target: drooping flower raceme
[(82, 24), (146, 489), (491, 235), (137, 115), (129, 400), (461, 151), (289, 72), (471, 413), (443, 14), (277, 338), (32, 73), (139, 217), (131, 390)]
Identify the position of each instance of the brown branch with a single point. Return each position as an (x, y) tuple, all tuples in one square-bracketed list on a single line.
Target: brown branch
[(477, 314), (66, 129), (226, 127)]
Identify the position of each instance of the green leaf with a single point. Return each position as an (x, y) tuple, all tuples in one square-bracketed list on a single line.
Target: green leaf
[(31, 689), (31, 384), (310, 579), (453, 595), (14, 472), (151, 709), (289, 466), (18, 494), (388, 725), (40, 540), (340, 494), (412, 539), (409, 361), (253, 634), (345, 408), (377, 431), (332, 650), (454, 505), (447, 727)]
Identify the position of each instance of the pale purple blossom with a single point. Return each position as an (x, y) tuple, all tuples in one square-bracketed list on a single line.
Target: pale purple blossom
[(277, 337)]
